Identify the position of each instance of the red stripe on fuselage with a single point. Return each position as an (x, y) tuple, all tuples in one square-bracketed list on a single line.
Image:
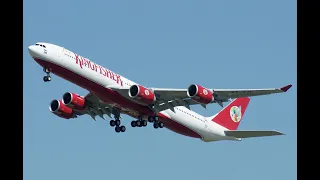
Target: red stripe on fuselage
[(110, 96)]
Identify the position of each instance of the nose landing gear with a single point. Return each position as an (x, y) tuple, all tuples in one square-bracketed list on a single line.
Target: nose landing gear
[(47, 77)]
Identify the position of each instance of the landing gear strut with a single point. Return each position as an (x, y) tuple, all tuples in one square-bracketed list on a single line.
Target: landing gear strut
[(117, 123), (47, 77)]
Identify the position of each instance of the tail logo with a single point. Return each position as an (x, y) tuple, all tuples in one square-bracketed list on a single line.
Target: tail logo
[(235, 113)]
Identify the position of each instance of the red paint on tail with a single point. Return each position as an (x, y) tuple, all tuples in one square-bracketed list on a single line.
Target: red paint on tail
[(231, 116)]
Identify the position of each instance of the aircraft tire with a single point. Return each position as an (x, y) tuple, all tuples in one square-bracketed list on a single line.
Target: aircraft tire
[(150, 119), (160, 124), (155, 125), (138, 123), (118, 122), (133, 124), (122, 128), (144, 123), (112, 123), (117, 129)]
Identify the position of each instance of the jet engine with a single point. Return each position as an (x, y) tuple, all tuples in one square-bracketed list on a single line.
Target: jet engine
[(142, 94), (200, 94), (73, 101), (61, 110)]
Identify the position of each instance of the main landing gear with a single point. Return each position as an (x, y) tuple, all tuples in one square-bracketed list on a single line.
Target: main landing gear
[(47, 77), (142, 123), (158, 124), (117, 124), (139, 123)]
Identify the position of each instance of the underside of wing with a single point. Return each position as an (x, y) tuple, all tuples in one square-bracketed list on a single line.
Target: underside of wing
[(95, 107), (170, 94), (224, 94), (248, 134), (160, 93)]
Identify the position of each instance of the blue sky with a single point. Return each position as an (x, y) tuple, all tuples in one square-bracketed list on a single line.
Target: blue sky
[(218, 44)]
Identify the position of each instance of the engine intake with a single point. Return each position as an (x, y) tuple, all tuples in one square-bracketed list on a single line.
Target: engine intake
[(61, 110), (142, 94), (73, 101), (200, 94)]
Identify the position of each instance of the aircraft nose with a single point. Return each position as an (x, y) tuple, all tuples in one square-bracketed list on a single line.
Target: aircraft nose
[(32, 50)]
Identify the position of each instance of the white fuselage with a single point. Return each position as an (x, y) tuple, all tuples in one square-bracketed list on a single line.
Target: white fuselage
[(203, 126)]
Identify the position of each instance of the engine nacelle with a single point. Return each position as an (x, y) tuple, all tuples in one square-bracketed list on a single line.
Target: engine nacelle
[(73, 101), (61, 110), (142, 94), (200, 94)]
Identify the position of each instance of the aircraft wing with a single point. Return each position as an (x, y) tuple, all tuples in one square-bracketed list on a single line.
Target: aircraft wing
[(169, 98), (95, 108), (220, 94), (248, 134), (237, 93)]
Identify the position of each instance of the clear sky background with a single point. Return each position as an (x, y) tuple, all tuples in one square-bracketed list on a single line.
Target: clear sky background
[(163, 43)]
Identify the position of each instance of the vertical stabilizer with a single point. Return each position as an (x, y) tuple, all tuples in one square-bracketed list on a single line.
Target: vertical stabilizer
[(230, 116)]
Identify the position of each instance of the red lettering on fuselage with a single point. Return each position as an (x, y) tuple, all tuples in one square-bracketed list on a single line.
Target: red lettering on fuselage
[(83, 62), (108, 73), (112, 75), (78, 60), (102, 71), (119, 79)]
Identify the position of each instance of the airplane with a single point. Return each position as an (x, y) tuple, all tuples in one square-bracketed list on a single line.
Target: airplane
[(113, 95)]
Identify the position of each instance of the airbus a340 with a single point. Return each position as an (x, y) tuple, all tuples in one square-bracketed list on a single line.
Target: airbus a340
[(112, 94)]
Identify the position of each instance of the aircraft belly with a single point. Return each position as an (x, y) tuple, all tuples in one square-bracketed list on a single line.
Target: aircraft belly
[(187, 121)]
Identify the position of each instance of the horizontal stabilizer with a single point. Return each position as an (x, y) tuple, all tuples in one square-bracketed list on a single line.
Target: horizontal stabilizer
[(248, 134)]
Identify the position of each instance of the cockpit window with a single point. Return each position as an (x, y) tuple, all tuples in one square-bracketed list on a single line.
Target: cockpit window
[(40, 45)]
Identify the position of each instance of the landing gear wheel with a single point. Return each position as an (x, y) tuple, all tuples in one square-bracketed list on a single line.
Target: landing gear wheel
[(150, 119), (144, 123), (160, 124), (155, 125), (138, 123), (118, 122), (155, 118), (133, 124), (122, 128), (117, 129), (46, 78), (112, 123)]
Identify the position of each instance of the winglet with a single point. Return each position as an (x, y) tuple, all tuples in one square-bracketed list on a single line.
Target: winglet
[(286, 88)]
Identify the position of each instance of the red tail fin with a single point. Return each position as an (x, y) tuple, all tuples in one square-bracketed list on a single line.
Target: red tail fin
[(230, 116)]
